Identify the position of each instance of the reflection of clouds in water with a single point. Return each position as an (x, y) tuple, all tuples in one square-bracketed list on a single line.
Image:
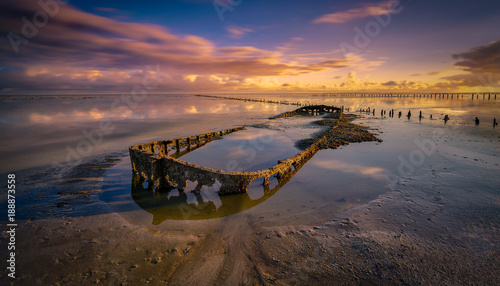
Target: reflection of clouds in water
[(209, 194), (213, 108), (40, 118), (250, 149), (269, 107), (113, 112), (191, 198), (262, 136), (337, 165), (249, 106), (218, 108), (153, 113), (173, 193), (118, 108), (236, 153), (191, 110), (93, 114), (257, 192), (250, 141)]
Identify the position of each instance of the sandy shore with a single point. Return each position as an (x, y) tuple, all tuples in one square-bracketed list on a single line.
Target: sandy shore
[(425, 231)]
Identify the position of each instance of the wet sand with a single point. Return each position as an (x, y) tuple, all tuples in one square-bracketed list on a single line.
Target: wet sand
[(418, 234), (438, 225)]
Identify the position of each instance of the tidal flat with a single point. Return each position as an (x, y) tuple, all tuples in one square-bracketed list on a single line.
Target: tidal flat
[(419, 207)]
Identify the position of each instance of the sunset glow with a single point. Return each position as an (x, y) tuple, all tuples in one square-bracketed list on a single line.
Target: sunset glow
[(192, 46)]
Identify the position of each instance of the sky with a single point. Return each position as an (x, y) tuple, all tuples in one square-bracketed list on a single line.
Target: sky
[(77, 46)]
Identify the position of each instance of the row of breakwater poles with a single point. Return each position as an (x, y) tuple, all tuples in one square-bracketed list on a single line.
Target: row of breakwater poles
[(270, 101), (383, 113), (472, 96)]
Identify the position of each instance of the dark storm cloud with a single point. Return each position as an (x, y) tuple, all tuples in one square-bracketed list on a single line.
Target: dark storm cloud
[(485, 59), (483, 65)]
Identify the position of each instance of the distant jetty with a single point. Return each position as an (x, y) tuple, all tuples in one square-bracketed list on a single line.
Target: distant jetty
[(462, 95), (284, 102)]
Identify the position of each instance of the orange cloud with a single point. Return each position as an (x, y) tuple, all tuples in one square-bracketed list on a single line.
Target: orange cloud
[(238, 32), (79, 50), (366, 10)]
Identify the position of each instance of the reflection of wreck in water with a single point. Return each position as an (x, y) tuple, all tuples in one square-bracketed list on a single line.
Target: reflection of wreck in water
[(156, 161), (163, 206)]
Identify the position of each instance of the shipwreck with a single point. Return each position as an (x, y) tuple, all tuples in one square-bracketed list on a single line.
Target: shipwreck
[(158, 162)]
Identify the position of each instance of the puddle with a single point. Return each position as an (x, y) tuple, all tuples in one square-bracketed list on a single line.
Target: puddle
[(251, 149)]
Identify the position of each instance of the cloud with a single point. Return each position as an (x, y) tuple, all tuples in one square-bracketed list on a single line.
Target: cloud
[(485, 59), (366, 10), (482, 67), (434, 73), (429, 73), (353, 83), (79, 50), (238, 32), (402, 85), (390, 83), (488, 82), (477, 70)]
